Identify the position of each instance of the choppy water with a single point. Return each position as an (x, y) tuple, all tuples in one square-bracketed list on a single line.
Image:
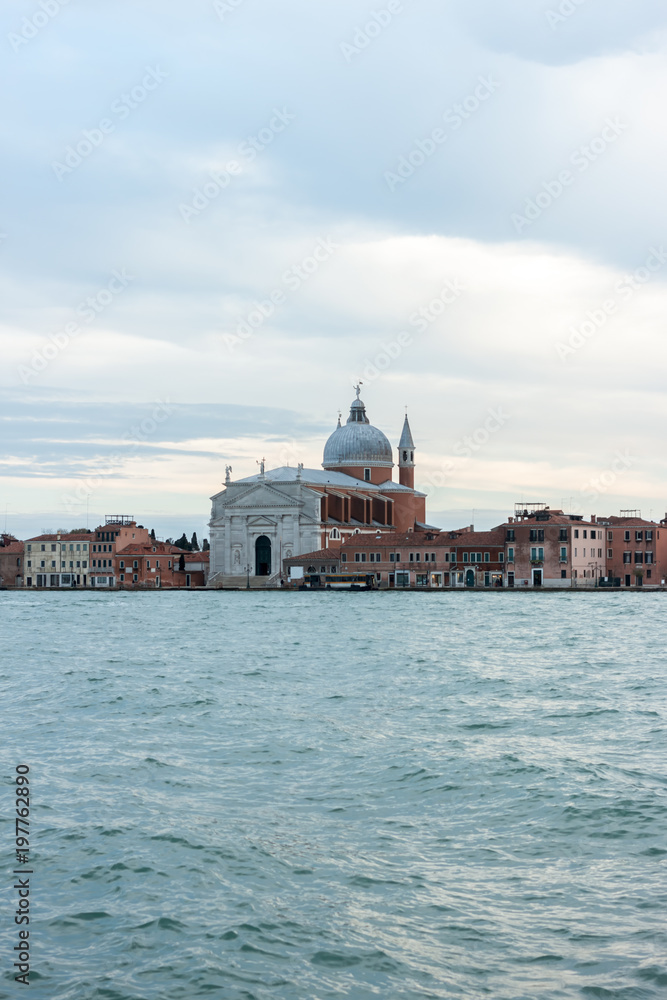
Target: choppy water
[(340, 795)]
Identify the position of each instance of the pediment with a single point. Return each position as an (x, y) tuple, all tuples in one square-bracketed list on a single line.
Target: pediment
[(263, 495), (261, 522)]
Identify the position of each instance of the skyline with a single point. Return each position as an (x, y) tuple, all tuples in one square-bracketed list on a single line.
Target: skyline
[(238, 212)]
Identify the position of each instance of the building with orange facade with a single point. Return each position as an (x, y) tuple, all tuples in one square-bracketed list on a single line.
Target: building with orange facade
[(636, 549)]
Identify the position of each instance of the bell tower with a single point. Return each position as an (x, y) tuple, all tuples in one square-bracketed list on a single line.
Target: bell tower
[(406, 457)]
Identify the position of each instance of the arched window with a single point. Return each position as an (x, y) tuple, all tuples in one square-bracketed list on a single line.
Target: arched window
[(334, 534), (405, 456), (412, 456)]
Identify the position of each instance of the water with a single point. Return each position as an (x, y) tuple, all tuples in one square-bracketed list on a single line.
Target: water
[(339, 795)]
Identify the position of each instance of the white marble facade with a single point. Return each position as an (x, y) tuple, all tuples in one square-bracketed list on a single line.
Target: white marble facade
[(284, 511)]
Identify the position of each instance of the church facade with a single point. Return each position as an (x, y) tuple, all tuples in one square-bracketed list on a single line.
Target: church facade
[(259, 521)]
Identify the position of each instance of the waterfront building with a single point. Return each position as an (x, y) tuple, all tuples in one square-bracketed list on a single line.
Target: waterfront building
[(157, 565), (117, 532), (59, 559), (548, 548), (11, 561), (258, 522), (636, 549), (420, 558)]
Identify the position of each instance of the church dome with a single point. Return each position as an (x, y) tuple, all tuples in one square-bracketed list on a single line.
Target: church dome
[(357, 443)]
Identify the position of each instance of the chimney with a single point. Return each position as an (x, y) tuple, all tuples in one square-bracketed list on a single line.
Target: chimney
[(593, 519)]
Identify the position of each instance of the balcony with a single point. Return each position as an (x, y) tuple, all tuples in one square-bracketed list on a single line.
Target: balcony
[(537, 562)]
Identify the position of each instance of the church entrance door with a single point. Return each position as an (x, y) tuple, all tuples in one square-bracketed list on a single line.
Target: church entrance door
[(263, 556)]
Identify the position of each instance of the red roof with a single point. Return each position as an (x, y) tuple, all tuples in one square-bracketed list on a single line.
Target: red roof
[(15, 547), (63, 536), (331, 553)]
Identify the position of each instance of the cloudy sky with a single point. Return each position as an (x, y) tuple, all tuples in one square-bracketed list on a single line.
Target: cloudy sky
[(217, 216)]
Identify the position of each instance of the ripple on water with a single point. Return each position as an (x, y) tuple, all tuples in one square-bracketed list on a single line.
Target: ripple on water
[(401, 796)]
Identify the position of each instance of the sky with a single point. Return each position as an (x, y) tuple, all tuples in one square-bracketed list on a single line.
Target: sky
[(219, 216)]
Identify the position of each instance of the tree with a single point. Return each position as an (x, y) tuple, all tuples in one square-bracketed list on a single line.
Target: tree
[(205, 546), (181, 564), (169, 541), (183, 542), (153, 534), (194, 544)]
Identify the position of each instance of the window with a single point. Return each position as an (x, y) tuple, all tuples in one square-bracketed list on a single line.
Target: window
[(599, 553), (639, 557), (43, 548), (53, 564), (29, 563), (510, 554), (510, 535), (648, 558), (135, 578), (405, 456), (465, 557), (576, 532), (343, 558), (426, 557), (378, 557), (360, 557), (367, 475), (501, 557), (121, 564), (30, 548), (422, 579), (649, 536), (648, 574), (432, 556), (53, 548), (157, 563), (148, 564), (563, 554), (418, 557), (487, 579), (562, 535), (627, 557), (334, 534), (585, 533), (610, 536), (85, 546), (626, 536), (135, 564), (84, 565), (487, 557), (537, 534), (585, 552), (563, 574), (392, 557), (639, 535), (610, 553), (78, 548), (122, 577)]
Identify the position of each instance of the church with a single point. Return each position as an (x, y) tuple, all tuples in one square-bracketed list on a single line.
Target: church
[(276, 514)]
